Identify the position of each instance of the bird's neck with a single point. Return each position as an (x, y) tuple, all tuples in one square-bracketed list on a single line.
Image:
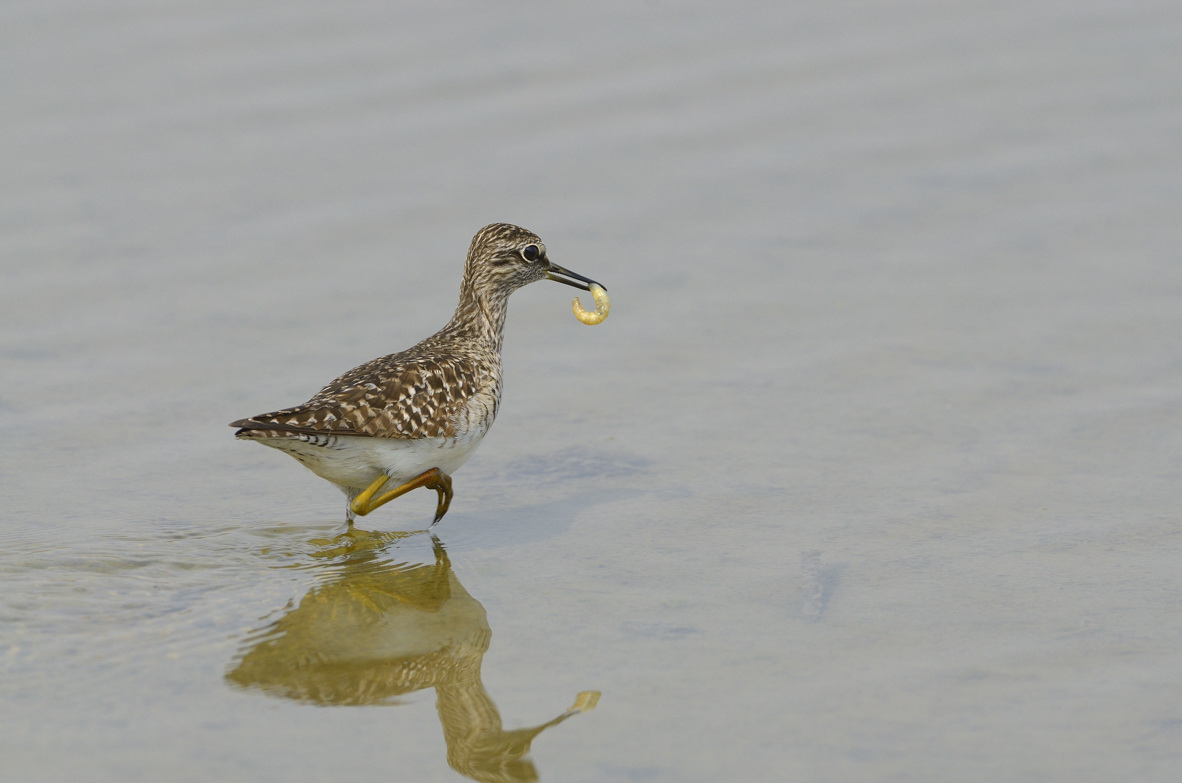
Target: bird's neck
[(480, 317)]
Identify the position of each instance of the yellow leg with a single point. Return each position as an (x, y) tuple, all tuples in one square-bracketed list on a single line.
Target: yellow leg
[(434, 479), (360, 504)]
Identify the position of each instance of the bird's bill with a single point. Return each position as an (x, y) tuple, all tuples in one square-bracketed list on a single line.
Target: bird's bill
[(560, 275)]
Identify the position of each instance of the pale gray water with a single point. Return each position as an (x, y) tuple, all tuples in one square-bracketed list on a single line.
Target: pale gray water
[(872, 474)]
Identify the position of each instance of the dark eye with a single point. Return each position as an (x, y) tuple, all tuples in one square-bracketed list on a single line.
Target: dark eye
[(530, 252)]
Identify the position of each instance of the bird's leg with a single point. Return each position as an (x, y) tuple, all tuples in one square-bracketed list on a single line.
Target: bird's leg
[(434, 479), (360, 505)]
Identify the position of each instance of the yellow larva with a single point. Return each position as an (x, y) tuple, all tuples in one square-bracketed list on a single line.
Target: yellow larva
[(585, 701), (602, 307)]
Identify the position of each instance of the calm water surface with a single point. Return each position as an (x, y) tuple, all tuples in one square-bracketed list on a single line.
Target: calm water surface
[(872, 474)]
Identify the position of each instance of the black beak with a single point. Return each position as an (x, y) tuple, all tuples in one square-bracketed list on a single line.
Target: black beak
[(560, 275)]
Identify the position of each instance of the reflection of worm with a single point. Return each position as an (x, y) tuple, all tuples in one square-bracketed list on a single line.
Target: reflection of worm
[(602, 307)]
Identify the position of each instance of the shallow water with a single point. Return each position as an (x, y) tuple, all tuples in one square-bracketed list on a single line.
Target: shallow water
[(872, 474)]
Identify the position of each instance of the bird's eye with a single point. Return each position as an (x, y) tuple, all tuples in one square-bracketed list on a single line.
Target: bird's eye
[(530, 252)]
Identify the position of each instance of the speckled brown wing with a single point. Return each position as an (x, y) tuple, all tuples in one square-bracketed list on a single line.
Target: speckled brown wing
[(396, 396)]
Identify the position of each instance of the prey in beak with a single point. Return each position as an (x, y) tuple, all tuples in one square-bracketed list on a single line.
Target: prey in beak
[(602, 304)]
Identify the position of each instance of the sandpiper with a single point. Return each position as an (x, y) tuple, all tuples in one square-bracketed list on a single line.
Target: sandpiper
[(413, 418)]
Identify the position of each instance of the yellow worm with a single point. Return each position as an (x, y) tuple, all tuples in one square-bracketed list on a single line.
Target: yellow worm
[(602, 307), (585, 701)]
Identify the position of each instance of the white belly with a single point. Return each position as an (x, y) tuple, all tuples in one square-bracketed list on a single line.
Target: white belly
[(353, 462)]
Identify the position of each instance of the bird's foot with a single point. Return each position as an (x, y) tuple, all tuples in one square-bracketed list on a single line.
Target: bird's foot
[(434, 479)]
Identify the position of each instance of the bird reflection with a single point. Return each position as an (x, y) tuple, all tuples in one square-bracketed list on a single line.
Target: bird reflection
[(376, 630)]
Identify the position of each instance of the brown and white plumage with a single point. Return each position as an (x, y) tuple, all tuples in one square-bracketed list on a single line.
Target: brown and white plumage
[(424, 408)]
